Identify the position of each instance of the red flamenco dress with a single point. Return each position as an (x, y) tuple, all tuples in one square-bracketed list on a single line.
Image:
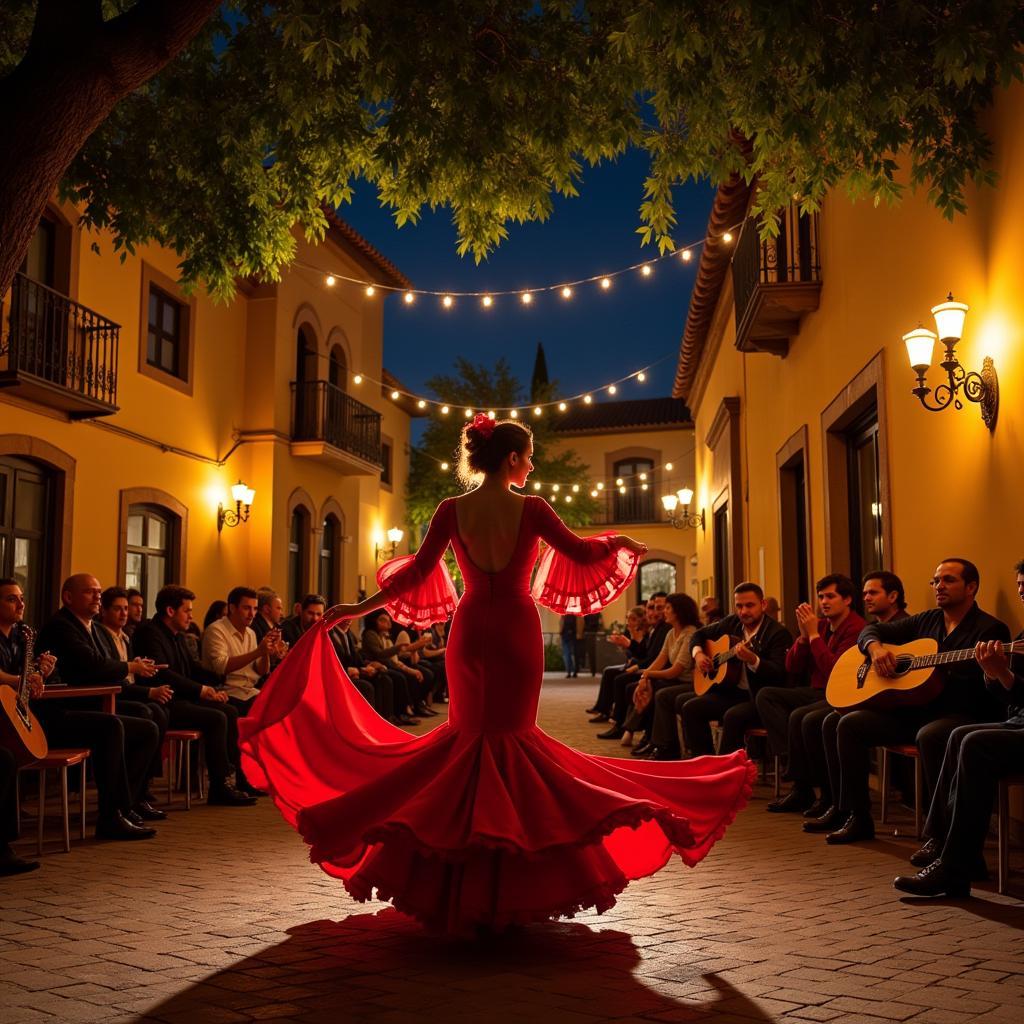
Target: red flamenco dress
[(486, 820)]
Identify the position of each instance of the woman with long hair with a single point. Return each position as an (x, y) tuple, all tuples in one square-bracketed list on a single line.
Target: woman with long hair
[(486, 820)]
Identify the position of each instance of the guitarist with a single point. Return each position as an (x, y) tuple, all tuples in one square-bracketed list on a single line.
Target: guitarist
[(957, 623), (790, 712), (761, 650)]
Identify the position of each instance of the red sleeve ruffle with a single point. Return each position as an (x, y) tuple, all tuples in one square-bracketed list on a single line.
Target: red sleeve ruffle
[(414, 598), (571, 587)]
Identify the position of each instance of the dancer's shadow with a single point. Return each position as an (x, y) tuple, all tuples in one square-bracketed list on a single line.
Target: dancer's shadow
[(385, 967)]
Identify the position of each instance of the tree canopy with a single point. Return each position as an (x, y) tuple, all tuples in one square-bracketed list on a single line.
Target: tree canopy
[(492, 107)]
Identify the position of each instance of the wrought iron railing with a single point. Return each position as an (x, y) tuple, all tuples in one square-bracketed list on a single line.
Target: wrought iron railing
[(792, 256), (635, 506), (321, 411), (53, 339)]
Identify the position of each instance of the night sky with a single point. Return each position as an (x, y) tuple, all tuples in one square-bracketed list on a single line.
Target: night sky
[(590, 339)]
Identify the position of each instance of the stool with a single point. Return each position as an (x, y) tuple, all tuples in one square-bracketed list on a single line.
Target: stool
[(903, 750), (1003, 826), (776, 759), (179, 752), (61, 759)]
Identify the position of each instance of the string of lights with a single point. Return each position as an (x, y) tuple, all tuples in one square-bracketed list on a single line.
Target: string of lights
[(526, 296)]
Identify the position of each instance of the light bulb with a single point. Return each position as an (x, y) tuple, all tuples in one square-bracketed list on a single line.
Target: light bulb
[(618, 482), (552, 498), (643, 487), (447, 302), (330, 280), (669, 501), (513, 414), (445, 410), (668, 466), (593, 494), (409, 298), (370, 291), (238, 492), (555, 488), (562, 407), (444, 466), (395, 535), (641, 376), (421, 404), (643, 476), (490, 414), (395, 396), (686, 255), (566, 292), (568, 499), (949, 318), (468, 413), (685, 495), (536, 487), (606, 283), (612, 389), (575, 488), (527, 298), (357, 379), (600, 487), (646, 270), (587, 399), (727, 237), (537, 410), (487, 301), (622, 490)]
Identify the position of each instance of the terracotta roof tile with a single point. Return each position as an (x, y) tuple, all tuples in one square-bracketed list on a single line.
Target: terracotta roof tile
[(612, 416)]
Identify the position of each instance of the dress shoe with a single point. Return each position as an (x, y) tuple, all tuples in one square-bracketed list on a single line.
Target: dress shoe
[(827, 822), (934, 880), (857, 827), (145, 811), (122, 828), (616, 732), (250, 790), (12, 864), (404, 719), (928, 853), (664, 754), (229, 796), (819, 807), (423, 711), (592, 711), (796, 801), (642, 749), (598, 718)]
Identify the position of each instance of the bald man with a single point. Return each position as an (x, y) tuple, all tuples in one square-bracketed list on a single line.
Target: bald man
[(123, 746)]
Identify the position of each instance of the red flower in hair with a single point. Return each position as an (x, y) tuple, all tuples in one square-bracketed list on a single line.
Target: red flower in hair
[(483, 425)]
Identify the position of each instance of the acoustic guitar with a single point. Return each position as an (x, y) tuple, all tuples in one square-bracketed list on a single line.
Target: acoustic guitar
[(854, 682), (20, 731), (726, 667)]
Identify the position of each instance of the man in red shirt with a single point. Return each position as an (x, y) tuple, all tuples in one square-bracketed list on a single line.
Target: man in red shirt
[(791, 713)]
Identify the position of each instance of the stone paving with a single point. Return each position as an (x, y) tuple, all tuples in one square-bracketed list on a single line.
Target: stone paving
[(223, 919)]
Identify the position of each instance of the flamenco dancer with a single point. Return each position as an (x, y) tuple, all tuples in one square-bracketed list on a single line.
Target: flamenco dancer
[(486, 821)]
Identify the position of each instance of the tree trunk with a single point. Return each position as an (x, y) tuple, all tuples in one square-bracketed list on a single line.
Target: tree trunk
[(75, 70)]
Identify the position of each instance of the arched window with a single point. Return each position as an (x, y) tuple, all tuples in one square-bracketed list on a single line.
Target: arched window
[(298, 554), (634, 504), (337, 368), (329, 564), (306, 386), (655, 576), (151, 550), (26, 522)]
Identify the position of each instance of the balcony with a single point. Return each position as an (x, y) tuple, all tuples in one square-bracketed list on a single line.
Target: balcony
[(776, 282), (330, 425), (57, 353), (635, 506)]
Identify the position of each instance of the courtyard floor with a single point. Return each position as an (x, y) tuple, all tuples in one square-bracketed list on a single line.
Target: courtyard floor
[(223, 919)]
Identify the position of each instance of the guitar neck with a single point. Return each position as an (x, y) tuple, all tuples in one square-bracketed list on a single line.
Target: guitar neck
[(966, 654)]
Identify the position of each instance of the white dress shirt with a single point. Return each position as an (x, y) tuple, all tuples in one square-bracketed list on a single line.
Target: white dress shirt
[(222, 641)]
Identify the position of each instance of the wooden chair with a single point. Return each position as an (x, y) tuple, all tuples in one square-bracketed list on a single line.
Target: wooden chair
[(1003, 826), (62, 760), (178, 745), (903, 750), (776, 759)]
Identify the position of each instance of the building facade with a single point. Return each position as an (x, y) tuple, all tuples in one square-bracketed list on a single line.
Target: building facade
[(813, 453), (131, 408)]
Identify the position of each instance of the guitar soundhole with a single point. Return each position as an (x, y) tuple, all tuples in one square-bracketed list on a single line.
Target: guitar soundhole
[(903, 664)]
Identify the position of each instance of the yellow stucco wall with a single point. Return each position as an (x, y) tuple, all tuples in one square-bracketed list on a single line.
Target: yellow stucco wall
[(955, 488)]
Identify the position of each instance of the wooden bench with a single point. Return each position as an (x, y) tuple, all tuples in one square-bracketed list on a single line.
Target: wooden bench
[(903, 750), (178, 744), (1003, 828), (62, 760)]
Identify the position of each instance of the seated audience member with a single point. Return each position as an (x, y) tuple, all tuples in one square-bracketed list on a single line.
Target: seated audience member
[(197, 703), (217, 610), (372, 680), (136, 610), (670, 674), (956, 623), (311, 611), (139, 699), (231, 650), (434, 653), (378, 646), (710, 611), (761, 651), (788, 712), (414, 643), (633, 643), (269, 612), (977, 756), (567, 634), (10, 862), (123, 747), (620, 703)]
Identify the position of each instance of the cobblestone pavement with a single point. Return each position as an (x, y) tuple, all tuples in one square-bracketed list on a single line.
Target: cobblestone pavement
[(223, 919)]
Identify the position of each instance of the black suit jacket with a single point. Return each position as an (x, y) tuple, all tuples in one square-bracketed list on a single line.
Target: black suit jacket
[(184, 675), (81, 661), (769, 643), (347, 649), (655, 642)]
